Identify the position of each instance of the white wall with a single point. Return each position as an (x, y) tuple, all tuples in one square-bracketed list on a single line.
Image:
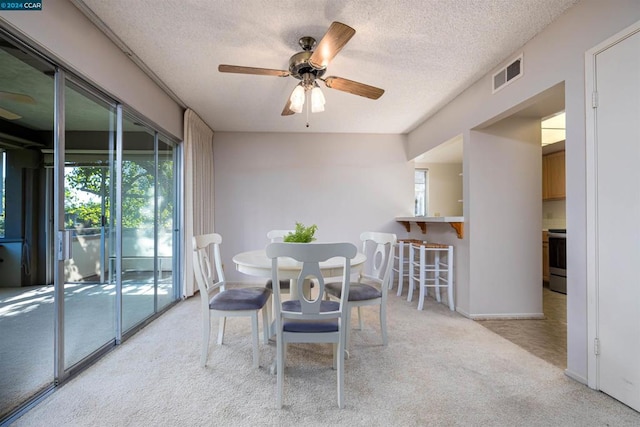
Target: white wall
[(505, 201), (65, 34), (344, 183), (445, 188), (555, 55)]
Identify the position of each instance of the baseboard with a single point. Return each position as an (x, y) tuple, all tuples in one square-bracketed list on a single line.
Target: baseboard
[(464, 313), (576, 377), (507, 316)]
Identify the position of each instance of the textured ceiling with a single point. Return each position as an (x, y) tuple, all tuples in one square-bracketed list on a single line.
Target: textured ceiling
[(422, 52)]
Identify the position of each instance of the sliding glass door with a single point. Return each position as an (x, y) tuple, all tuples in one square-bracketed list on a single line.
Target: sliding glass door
[(26, 298), (139, 246), (89, 297), (167, 223), (88, 224)]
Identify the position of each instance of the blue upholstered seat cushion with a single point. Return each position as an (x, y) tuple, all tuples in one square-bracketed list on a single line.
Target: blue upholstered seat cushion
[(240, 299), (294, 325), (357, 291)]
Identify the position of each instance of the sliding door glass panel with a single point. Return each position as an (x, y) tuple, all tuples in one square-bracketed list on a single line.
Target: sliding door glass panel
[(139, 267), (26, 298), (89, 313), (166, 212)]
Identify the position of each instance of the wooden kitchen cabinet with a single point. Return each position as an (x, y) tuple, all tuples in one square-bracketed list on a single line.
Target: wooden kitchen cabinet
[(553, 176), (545, 256)]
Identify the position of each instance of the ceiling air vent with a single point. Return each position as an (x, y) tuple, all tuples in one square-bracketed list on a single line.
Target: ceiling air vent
[(512, 71)]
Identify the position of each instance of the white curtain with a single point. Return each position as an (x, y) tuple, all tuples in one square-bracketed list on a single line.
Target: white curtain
[(198, 189)]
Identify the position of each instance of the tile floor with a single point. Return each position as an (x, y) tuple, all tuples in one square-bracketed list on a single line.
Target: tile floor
[(545, 338)]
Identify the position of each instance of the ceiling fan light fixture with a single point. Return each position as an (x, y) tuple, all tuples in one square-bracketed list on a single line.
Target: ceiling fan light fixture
[(310, 65), (317, 100), (297, 99)]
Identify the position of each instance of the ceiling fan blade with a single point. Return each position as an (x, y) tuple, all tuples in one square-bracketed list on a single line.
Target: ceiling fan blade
[(223, 68), (5, 114), (17, 97), (332, 42), (355, 88)]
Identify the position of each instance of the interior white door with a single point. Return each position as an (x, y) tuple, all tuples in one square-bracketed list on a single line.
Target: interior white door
[(617, 224)]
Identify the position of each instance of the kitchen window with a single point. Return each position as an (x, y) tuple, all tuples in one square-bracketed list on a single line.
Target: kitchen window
[(421, 181)]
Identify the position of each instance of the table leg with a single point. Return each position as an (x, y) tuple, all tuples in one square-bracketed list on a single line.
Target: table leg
[(293, 288)]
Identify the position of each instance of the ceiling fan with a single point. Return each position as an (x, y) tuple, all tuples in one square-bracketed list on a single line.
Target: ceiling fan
[(309, 66), (15, 97)]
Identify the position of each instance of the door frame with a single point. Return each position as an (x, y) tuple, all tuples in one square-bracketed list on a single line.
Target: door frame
[(592, 199)]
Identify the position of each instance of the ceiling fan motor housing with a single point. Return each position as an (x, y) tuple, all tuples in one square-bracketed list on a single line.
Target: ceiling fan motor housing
[(299, 65)]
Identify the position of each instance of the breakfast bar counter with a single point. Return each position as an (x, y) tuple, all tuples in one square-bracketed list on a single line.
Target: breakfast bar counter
[(456, 222)]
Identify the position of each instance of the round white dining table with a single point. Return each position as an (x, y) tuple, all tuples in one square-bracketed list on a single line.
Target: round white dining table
[(256, 263)]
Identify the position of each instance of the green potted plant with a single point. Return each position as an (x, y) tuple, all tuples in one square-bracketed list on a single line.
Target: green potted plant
[(301, 234)]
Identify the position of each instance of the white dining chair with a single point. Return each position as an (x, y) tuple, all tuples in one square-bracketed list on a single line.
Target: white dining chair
[(218, 301), (278, 236), (372, 286), (310, 320)]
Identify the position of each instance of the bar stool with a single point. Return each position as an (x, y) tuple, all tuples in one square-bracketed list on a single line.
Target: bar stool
[(437, 275), (401, 263)]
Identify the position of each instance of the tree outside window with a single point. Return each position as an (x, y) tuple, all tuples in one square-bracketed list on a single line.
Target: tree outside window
[(87, 186)]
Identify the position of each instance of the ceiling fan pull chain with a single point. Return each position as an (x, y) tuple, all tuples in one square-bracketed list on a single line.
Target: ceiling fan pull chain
[(307, 101)]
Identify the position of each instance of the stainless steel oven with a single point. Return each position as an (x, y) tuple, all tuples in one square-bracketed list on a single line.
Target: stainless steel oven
[(558, 260)]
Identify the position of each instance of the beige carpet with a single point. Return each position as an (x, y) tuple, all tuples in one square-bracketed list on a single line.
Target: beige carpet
[(439, 369)]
